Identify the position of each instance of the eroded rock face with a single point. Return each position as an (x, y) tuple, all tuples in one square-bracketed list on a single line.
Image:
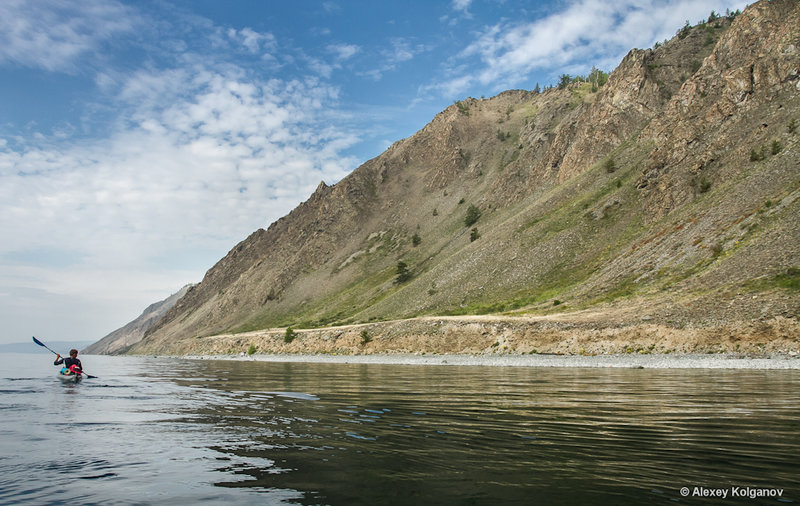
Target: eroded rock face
[(726, 102), (620, 109), (584, 194)]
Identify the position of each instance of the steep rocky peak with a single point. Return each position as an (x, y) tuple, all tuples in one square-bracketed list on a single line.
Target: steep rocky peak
[(321, 187)]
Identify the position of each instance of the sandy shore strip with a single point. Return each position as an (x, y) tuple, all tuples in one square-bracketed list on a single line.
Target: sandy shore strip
[(643, 361)]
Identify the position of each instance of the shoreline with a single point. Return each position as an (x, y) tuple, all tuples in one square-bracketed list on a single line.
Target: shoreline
[(628, 361), (587, 334)]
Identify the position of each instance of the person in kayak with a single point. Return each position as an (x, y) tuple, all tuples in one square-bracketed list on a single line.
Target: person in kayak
[(72, 363)]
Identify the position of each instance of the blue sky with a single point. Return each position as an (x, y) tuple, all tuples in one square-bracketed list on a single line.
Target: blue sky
[(140, 141)]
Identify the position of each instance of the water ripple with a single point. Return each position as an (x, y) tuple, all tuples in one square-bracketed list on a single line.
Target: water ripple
[(161, 430)]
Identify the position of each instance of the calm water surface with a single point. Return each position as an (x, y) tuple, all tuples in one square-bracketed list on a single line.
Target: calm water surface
[(153, 431)]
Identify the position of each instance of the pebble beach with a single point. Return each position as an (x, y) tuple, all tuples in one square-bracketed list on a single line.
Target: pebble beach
[(631, 361)]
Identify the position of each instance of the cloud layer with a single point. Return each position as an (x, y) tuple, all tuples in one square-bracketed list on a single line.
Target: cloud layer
[(51, 34), (199, 156)]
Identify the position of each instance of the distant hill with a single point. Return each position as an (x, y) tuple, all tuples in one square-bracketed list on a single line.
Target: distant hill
[(120, 340), (667, 196), (62, 347)]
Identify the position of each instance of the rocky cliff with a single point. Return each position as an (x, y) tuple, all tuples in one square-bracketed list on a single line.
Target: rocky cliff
[(671, 190)]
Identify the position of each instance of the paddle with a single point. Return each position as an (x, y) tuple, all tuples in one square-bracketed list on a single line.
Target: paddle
[(57, 354), (42, 344)]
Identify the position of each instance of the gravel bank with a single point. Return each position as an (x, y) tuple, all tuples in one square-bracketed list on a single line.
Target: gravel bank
[(649, 361), (504, 338)]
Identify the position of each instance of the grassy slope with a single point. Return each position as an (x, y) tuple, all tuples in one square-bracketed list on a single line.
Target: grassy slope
[(562, 239)]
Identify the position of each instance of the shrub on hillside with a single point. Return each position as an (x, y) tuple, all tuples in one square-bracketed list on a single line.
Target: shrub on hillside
[(289, 335), (473, 214), (463, 107), (756, 156), (403, 274), (683, 32)]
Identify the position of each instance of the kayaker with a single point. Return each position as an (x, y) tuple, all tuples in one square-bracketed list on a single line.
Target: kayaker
[(72, 363)]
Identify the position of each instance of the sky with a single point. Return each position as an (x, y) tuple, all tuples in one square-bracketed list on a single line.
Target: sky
[(141, 140)]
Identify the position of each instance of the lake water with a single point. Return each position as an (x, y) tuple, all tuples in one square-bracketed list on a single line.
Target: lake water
[(159, 431)]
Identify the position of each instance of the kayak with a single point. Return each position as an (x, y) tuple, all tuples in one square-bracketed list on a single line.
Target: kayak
[(68, 376)]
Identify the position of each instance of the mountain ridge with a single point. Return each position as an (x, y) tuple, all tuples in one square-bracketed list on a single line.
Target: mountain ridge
[(641, 192)]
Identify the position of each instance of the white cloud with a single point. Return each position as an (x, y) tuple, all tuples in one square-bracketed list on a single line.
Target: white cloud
[(331, 7), (585, 33), (400, 51), (343, 51), (403, 50), (461, 5), (461, 8), (326, 68), (53, 34), (187, 161), (253, 41)]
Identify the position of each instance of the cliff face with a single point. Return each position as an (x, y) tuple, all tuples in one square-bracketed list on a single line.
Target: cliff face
[(725, 109), (644, 191)]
